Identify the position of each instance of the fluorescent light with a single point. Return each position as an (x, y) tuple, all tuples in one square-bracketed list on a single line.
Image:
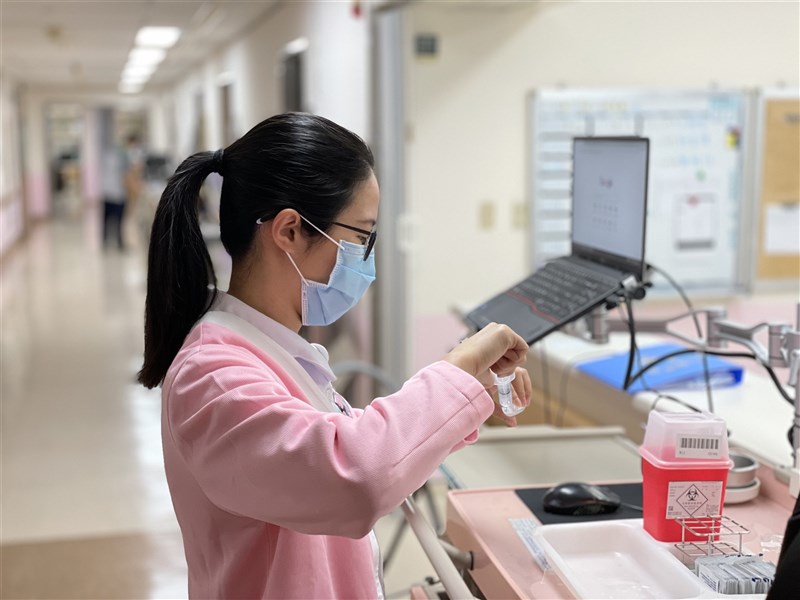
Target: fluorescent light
[(134, 79), (157, 37), (136, 70), (296, 46), (146, 56), (129, 88)]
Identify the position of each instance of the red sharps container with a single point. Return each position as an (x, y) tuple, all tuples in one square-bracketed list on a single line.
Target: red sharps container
[(685, 467)]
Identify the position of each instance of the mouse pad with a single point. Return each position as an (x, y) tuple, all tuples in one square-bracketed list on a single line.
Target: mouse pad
[(630, 493)]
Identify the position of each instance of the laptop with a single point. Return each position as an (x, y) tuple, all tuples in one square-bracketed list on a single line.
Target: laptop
[(609, 209)]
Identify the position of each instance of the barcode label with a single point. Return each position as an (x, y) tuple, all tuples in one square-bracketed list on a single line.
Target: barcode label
[(526, 529), (700, 443), (697, 446)]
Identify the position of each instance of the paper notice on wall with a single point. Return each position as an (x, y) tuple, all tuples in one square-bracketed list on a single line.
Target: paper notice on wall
[(782, 229), (696, 217)]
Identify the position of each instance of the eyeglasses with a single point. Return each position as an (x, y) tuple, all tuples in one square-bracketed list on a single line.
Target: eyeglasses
[(371, 235), (368, 244)]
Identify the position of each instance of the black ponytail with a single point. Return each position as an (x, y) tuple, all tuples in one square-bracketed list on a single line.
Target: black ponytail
[(294, 160), (179, 270)]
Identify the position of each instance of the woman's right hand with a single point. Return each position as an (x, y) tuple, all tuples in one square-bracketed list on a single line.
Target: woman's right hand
[(495, 349)]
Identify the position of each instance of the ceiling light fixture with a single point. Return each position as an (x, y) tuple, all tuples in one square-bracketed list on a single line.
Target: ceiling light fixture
[(157, 37), (146, 56), (150, 49), (133, 67), (137, 79), (136, 69)]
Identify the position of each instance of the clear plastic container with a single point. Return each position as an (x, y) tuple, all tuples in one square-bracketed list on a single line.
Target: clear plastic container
[(505, 395), (685, 465)]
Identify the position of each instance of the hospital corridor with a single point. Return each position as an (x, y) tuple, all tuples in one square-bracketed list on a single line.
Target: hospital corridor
[(86, 508), (84, 496), (417, 299)]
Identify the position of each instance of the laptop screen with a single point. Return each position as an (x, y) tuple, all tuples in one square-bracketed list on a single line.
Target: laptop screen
[(609, 201)]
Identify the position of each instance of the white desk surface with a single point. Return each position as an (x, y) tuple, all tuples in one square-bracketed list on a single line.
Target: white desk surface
[(540, 454)]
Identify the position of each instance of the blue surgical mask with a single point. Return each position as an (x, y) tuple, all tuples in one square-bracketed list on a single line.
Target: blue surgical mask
[(324, 303)]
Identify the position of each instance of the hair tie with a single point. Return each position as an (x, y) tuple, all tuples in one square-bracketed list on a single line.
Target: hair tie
[(216, 161)]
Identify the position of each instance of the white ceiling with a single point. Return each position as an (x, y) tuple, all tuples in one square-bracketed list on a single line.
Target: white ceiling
[(83, 45)]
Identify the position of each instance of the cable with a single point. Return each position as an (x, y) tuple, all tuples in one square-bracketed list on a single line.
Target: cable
[(777, 382), (632, 351), (690, 307), (661, 396), (638, 363), (769, 370), (570, 369), (661, 359)]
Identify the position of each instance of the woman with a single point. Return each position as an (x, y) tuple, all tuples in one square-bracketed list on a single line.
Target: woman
[(275, 480)]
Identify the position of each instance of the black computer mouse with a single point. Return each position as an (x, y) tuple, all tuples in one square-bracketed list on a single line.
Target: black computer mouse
[(580, 499)]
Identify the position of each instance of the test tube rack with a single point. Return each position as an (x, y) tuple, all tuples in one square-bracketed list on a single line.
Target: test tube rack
[(723, 537)]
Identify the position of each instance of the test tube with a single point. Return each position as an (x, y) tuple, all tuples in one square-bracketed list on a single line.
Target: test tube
[(505, 396)]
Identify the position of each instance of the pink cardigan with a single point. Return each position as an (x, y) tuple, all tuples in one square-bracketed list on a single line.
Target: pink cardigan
[(274, 499)]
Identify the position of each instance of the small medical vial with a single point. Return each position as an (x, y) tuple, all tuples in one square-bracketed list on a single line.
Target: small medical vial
[(505, 396)]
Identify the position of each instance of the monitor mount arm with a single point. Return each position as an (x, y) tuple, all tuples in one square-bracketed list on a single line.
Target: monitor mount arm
[(783, 349)]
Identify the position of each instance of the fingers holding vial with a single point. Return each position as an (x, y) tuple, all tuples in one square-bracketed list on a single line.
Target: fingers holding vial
[(497, 349), (513, 395)]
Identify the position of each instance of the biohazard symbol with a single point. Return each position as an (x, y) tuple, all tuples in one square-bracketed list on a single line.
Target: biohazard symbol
[(692, 500)]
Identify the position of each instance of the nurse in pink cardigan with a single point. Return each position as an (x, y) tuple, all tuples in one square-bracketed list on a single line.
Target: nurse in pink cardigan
[(276, 482)]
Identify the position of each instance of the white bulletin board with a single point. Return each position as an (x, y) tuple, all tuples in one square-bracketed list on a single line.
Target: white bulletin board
[(695, 190)]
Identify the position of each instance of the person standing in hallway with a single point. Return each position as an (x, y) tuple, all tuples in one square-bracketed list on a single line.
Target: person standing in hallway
[(276, 481), (134, 185), (121, 184), (114, 168)]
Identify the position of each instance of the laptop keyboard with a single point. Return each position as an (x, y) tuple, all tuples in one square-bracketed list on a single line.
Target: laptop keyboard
[(560, 289)]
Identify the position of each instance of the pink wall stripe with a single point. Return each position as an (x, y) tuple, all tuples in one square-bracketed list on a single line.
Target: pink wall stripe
[(37, 188)]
